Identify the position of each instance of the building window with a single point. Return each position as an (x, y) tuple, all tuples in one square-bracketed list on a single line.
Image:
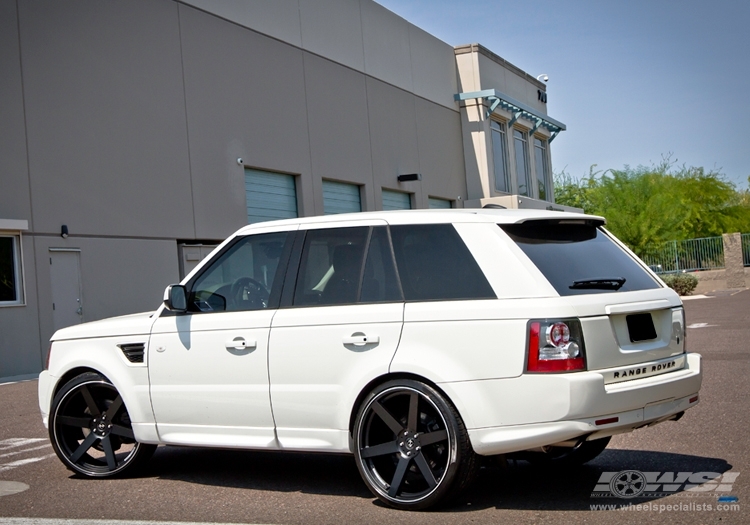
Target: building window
[(340, 197), (542, 170), (11, 289), (522, 162), (500, 156)]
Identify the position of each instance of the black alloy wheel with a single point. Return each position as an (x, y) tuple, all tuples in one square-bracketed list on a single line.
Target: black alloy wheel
[(90, 429), (411, 446)]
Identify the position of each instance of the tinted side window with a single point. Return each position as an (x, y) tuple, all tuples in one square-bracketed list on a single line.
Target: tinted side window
[(379, 280), (331, 266), (242, 278), (434, 263), (579, 253)]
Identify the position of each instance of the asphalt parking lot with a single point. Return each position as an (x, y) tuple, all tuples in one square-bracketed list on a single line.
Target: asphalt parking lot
[(203, 485)]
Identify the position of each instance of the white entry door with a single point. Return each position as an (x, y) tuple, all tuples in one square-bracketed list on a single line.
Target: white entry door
[(65, 276)]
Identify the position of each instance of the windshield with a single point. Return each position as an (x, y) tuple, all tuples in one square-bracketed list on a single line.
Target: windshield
[(579, 258)]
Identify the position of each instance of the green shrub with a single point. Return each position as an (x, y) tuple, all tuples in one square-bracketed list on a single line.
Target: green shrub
[(682, 283)]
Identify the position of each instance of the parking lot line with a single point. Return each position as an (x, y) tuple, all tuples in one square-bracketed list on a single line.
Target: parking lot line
[(9, 443), (21, 462), (16, 452)]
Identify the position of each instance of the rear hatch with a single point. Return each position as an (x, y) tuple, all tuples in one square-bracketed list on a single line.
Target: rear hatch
[(632, 324)]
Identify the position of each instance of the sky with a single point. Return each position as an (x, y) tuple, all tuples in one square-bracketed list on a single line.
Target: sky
[(634, 81)]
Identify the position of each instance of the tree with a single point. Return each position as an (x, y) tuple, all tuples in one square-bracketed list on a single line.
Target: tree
[(647, 206)]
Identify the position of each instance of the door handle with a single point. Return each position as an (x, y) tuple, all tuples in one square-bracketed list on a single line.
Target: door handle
[(360, 339), (239, 343)]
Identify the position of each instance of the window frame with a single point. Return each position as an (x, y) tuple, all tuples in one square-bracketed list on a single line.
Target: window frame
[(18, 268), (294, 277), (394, 266), (277, 284), (500, 128), (542, 144), (550, 245), (524, 140), (304, 259)]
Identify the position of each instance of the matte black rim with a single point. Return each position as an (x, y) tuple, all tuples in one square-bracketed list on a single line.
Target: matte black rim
[(92, 429), (405, 445)]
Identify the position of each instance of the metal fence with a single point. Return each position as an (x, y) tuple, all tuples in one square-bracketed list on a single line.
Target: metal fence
[(746, 249), (690, 255)]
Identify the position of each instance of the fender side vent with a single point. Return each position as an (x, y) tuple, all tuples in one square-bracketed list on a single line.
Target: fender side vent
[(133, 351)]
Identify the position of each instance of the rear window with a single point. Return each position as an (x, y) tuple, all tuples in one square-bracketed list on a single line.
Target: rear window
[(579, 258)]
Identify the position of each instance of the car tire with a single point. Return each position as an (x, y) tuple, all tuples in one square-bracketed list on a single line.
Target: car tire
[(411, 446), (90, 429)]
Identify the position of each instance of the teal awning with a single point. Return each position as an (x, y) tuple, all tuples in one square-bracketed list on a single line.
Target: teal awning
[(518, 109)]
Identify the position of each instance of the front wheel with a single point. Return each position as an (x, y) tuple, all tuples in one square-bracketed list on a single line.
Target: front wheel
[(90, 428), (411, 446)]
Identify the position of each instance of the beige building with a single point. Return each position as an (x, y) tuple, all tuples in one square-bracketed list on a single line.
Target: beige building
[(136, 135)]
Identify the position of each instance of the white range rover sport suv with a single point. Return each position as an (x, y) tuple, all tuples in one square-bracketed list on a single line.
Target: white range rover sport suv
[(416, 341)]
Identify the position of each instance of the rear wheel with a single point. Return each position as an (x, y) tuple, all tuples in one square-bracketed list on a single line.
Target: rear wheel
[(411, 447), (90, 428)]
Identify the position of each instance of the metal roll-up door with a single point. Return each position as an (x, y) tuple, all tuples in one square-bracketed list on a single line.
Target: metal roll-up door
[(270, 196), (339, 197), (396, 200), (436, 203)]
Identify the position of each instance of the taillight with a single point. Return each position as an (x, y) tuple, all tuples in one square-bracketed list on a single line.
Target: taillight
[(555, 345), (684, 332)]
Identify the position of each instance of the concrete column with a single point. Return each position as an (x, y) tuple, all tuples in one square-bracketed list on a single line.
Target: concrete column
[(734, 268)]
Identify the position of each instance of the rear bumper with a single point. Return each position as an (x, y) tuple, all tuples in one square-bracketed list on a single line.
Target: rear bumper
[(535, 410), (501, 440)]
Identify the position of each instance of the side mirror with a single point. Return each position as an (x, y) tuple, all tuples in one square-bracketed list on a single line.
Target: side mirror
[(175, 298)]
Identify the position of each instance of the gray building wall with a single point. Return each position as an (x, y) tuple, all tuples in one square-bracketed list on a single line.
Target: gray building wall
[(125, 121)]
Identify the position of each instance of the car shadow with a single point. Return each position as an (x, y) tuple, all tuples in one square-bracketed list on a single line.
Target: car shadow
[(522, 486), (325, 474), (514, 485)]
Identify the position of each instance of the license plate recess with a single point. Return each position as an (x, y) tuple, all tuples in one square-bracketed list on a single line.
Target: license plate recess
[(641, 327)]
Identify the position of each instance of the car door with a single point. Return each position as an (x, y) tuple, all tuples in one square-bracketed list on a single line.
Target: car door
[(339, 329), (208, 367)]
